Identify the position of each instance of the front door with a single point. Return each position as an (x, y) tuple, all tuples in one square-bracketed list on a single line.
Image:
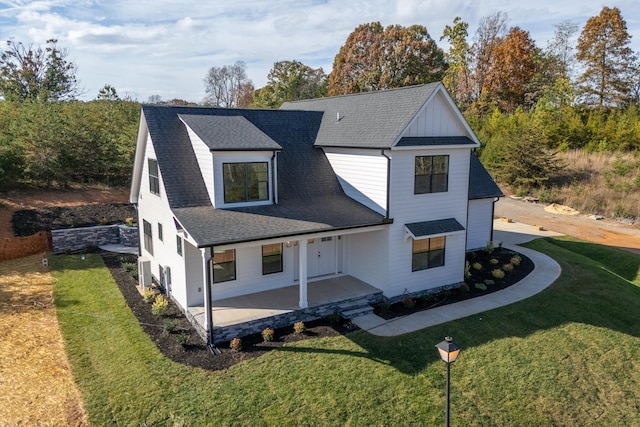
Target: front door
[(321, 256)]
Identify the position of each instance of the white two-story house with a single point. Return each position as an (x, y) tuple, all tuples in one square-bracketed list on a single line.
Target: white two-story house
[(380, 188)]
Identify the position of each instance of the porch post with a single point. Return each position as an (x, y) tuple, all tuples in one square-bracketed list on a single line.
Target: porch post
[(208, 271), (303, 273)]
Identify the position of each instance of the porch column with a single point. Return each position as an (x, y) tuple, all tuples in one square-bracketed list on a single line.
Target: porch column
[(302, 244), (208, 315)]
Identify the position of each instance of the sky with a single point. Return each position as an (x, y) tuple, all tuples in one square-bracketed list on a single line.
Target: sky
[(165, 48)]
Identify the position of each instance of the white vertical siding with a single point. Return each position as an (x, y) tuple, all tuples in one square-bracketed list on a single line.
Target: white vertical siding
[(436, 119), (480, 223), (362, 174), (205, 162)]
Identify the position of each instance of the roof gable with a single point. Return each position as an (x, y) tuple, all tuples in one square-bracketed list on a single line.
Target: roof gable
[(481, 185)]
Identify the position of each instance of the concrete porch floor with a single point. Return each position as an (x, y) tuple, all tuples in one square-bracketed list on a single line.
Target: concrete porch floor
[(260, 305)]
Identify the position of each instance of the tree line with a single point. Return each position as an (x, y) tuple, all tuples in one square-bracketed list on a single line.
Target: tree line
[(522, 100)]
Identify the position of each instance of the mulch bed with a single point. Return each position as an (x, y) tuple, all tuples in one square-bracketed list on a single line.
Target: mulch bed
[(411, 305), (26, 222)]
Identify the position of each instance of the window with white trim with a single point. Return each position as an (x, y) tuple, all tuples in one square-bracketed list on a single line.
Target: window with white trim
[(224, 265), (154, 176), (179, 245), (148, 236), (428, 253), (272, 258), (160, 233), (245, 182), (431, 174)]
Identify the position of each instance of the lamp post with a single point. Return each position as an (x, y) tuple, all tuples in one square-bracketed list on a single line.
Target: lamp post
[(448, 353)]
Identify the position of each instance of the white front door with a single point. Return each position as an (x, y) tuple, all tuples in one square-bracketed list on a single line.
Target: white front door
[(321, 256)]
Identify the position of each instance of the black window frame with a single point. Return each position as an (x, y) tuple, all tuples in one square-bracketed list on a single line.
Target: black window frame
[(272, 262), (154, 176), (160, 232), (226, 266), (251, 185), (147, 231), (431, 257), (179, 245), (426, 179)]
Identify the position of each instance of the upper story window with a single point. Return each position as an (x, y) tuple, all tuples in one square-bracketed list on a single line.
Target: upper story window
[(431, 174), (154, 177), (245, 182)]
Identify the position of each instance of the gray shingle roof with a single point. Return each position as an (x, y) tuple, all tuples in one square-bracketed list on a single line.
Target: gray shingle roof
[(309, 194), (366, 120), (423, 141), (430, 228), (229, 133), (481, 185)]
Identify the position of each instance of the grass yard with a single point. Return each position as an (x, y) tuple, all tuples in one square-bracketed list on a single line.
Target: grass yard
[(568, 356)]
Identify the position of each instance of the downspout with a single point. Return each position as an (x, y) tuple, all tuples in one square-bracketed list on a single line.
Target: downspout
[(493, 212), (274, 180), (387, 217), (207, 302)]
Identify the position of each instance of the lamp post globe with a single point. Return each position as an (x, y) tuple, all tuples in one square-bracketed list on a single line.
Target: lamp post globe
[(449, 352)]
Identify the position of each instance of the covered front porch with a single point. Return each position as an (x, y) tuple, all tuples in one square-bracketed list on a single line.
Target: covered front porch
[(251, 313)]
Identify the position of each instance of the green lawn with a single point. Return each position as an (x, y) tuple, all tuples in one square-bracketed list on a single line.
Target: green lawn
[(568, 356)]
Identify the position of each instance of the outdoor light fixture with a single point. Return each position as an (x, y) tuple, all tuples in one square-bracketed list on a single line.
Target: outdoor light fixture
[(449, 352)]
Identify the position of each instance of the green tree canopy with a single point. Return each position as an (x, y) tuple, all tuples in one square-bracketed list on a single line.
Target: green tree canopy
[(374, 58), (457, 78), (290, 81), (29, 73)]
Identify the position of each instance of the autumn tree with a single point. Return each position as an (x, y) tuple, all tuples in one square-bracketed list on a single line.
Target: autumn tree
[(30, 73), (457, 78), (491, 30), (603, 49), (291, 81), (228, 86), (374, 58), (513, 68)]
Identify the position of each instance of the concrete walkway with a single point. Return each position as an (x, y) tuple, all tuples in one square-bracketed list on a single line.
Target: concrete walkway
[(545, 272)]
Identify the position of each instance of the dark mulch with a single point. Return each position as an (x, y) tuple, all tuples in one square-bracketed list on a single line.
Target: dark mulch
[(195, 353), (26, 222), (412, 305)]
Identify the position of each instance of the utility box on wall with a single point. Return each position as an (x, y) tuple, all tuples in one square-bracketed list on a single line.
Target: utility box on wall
[(144, 272)]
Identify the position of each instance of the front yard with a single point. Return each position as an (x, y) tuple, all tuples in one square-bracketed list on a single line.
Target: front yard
[(568, 356)]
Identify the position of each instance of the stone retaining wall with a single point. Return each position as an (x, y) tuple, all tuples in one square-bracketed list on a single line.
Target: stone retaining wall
[(78, 239)]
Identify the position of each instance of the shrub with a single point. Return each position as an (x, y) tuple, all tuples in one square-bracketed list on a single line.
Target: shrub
[(128, 222), (235, 344), (183, 339), (477, 266), (160, 305), (515, 260), (467, 270), (489, 248), (334, 319), (149, 295), (497, 273), (170, 325), (464, 287), (299, 327), (493, 261), (384, 306), (489, 282), (507, 267), (480, 286), (267, 334), (408, 302)]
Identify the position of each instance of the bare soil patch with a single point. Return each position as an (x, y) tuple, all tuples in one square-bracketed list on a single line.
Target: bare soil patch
[(36, 383)]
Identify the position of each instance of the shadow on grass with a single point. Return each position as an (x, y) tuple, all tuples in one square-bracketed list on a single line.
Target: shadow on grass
[(599, 286)]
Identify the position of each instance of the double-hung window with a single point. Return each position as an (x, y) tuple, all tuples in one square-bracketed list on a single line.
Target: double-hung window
[(224, 265), (148, 236), (154, 177), (428, 253), (272, 258), (245, 182), (431, 174)]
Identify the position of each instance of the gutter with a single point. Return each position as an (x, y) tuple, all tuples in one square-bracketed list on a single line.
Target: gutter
[(387, 216)]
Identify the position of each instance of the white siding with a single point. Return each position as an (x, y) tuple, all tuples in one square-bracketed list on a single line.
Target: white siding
[(194, 277), (480, 223), (436, 119), (362, 174), (366, 256), (205, 162)]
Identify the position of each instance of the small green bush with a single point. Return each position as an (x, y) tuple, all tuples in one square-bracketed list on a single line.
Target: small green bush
[(467, 270), (149, 295), (408, 302), (489, 282), (182, 339), (497, 273), (489, 248), (170, 325), (477, 266), (235, 344), (507, 267), (384, 306), (515, 260), (160, 305), (493, 261), (334, 319), (267, 334), (464, 288), (299, 327), (128, 222), (480, 286)]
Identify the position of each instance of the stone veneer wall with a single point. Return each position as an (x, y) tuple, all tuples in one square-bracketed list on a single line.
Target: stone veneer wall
[(77, 239)]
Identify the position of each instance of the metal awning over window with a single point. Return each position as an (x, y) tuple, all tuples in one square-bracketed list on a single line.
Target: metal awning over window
[(426, 229)]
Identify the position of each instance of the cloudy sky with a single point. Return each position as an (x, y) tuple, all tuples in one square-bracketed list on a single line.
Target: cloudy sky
[(165, 48)]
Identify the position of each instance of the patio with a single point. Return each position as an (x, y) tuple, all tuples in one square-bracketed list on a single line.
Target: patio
[(247, 314)]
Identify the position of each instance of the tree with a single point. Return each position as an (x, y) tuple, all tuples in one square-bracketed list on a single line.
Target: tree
[(108, 93), (489, 35), (561, 48), (603, 50), (457, 78), (512, 70), (374, 58), (29, 73), (154, 99), (291, 81), (228, 86)]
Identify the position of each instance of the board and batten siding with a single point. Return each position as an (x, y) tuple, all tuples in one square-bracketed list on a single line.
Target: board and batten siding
[(205, 162), (362, 175), (407, 207), (479, 223), (436, 119)]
